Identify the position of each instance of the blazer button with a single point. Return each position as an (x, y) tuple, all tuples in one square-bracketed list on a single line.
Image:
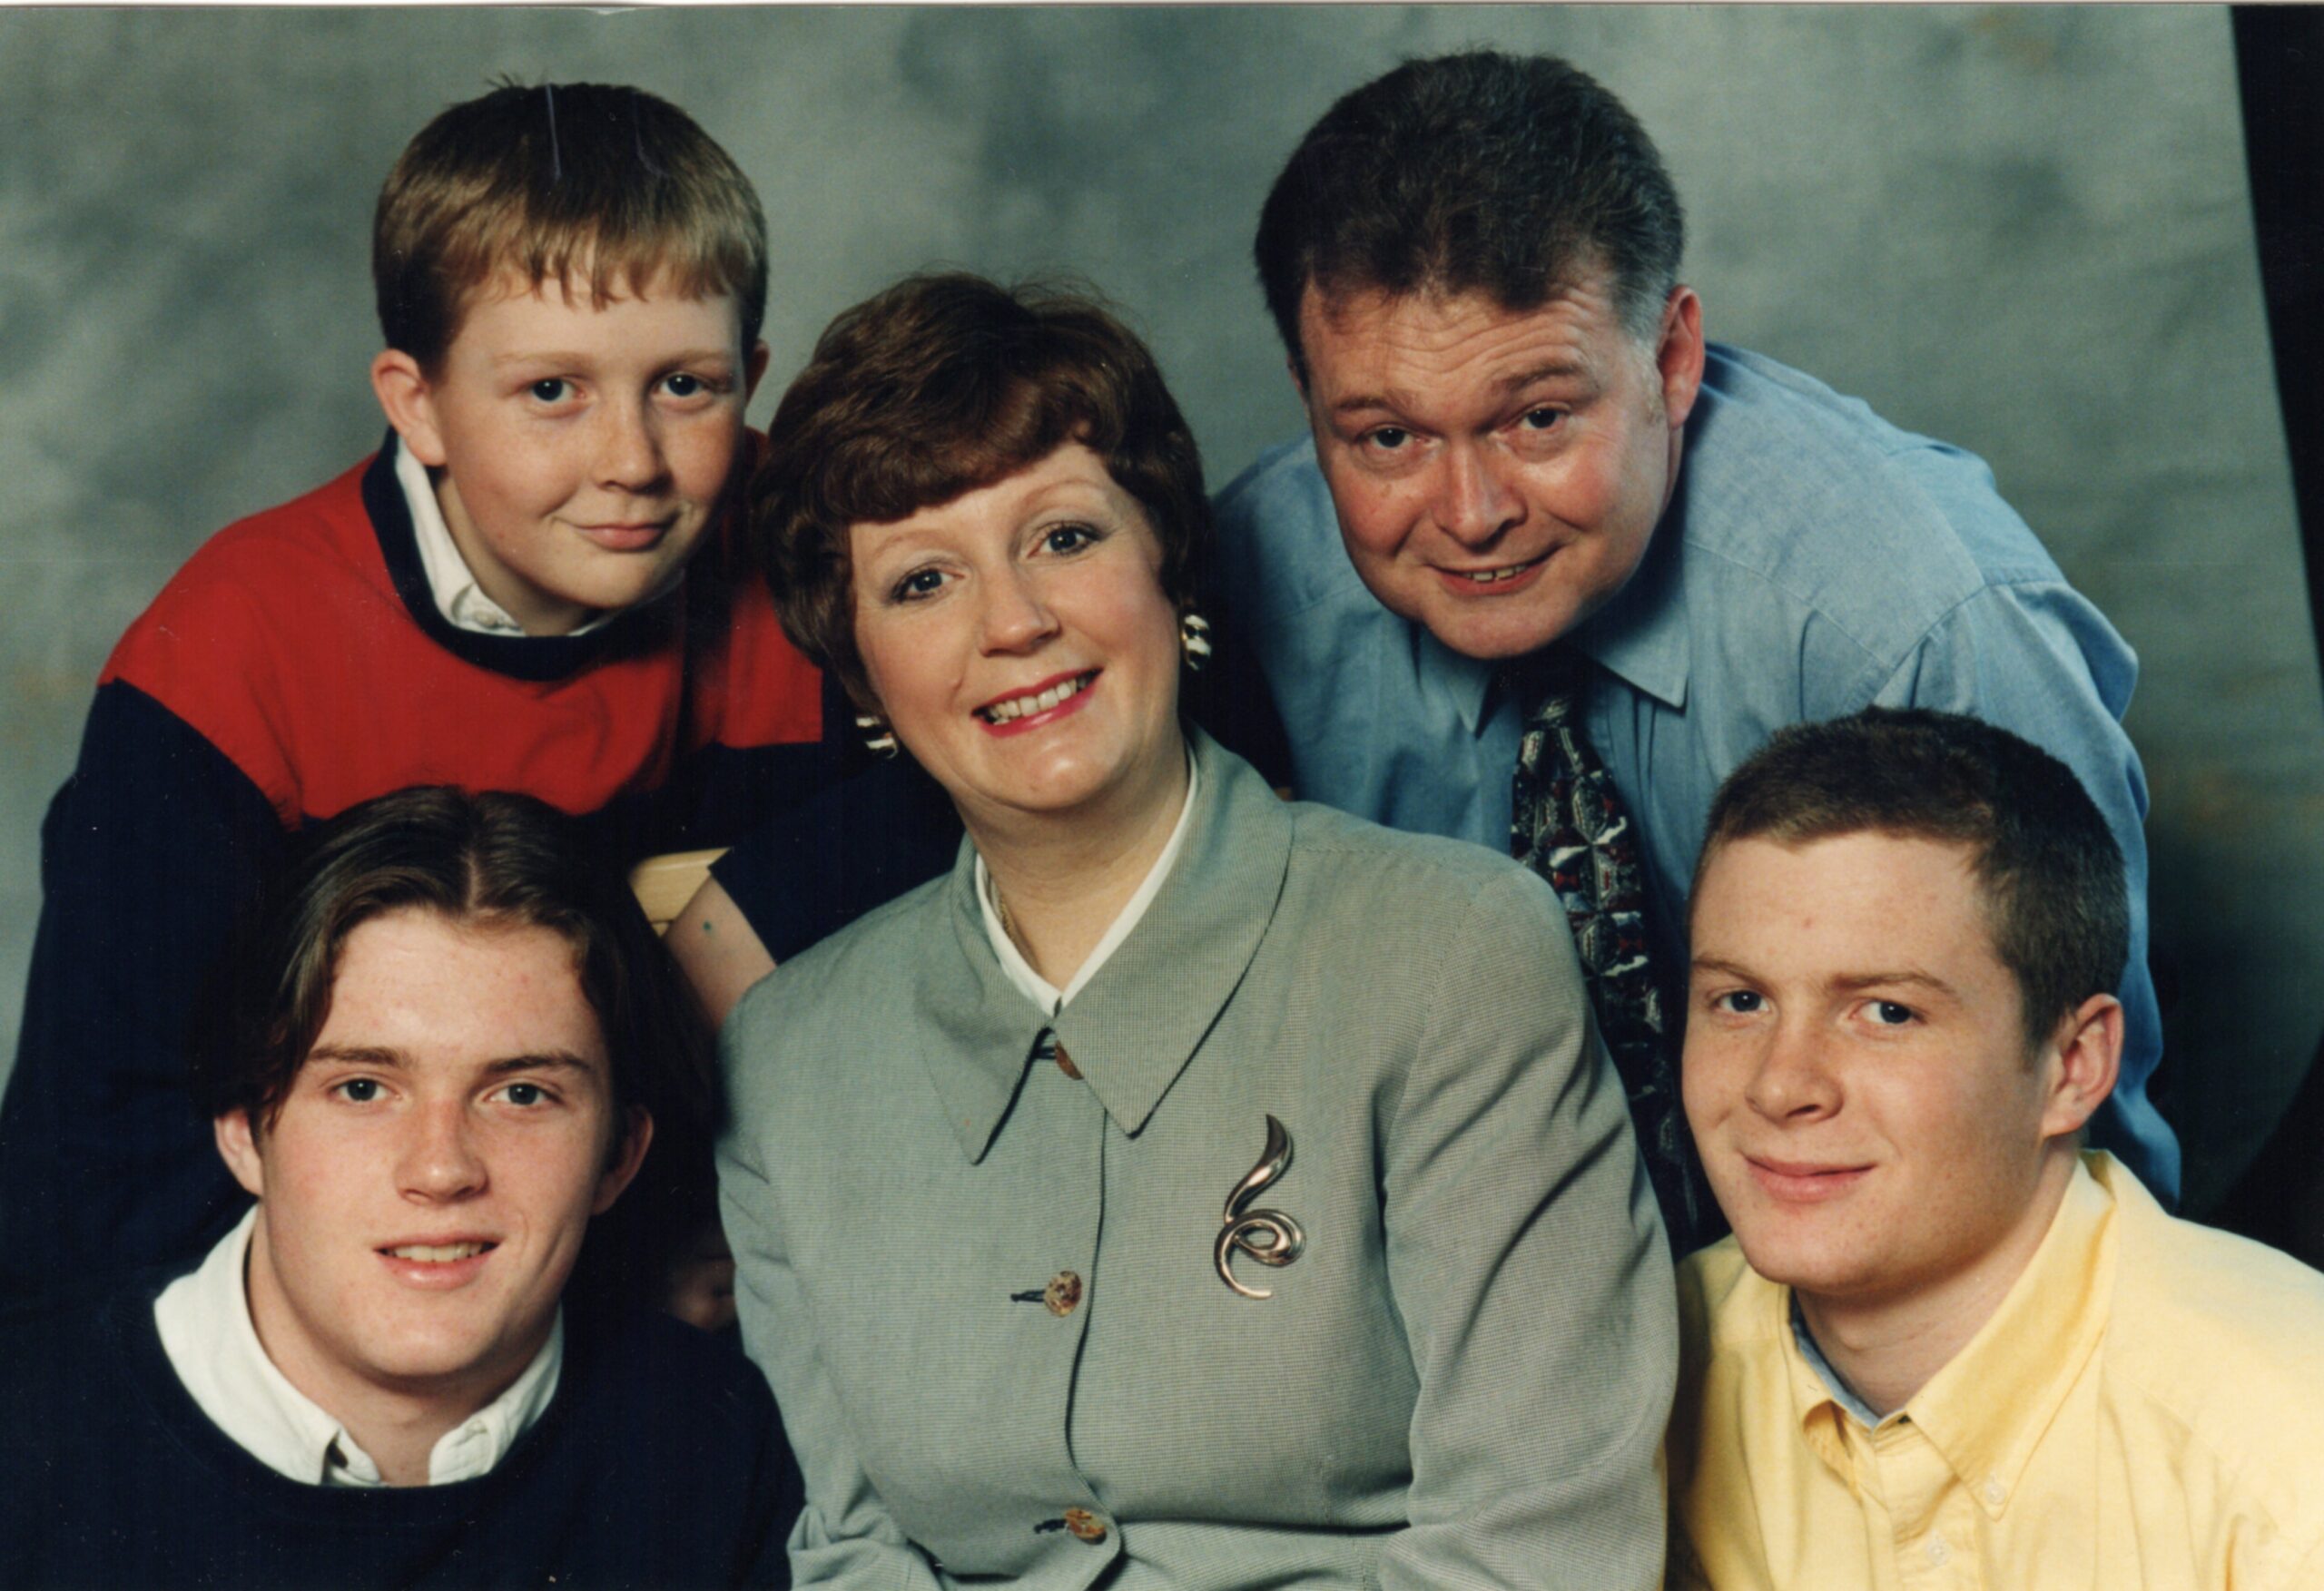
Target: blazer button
[(1063, 1294), (1065, 1065), (1085, 1525)]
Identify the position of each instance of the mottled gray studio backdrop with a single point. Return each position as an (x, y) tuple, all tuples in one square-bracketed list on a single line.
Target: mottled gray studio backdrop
[(2024, 230)]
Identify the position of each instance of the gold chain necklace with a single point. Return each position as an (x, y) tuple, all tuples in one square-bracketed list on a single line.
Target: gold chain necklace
[(1008, 926)]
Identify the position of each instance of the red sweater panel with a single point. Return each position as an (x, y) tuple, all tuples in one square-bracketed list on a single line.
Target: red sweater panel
[(284, 642)]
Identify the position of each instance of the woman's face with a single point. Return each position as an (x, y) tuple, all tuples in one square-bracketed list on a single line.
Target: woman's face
[(1022, 644)]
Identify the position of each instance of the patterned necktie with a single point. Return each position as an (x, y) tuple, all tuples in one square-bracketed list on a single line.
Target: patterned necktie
[(1569, 825)]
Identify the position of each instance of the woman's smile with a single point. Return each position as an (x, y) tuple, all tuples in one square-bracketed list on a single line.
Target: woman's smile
[(1046, 702)]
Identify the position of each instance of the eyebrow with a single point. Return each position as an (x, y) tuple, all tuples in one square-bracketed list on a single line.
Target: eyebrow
[(1555, 370), (1844, 981), (1505, 385), (702, 355), (1865, 980), (556, 1060), (356, 1055)]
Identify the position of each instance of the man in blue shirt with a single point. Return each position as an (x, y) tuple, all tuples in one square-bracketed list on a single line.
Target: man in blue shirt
[(1523, 447)]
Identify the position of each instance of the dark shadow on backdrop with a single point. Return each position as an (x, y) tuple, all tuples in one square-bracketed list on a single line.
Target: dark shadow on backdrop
[(2279, 63)]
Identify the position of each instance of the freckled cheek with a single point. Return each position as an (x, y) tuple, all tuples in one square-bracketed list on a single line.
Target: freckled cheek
[(1584, 494), (1376, 516), (559, 1168), (701, 456), (916, 683), (1703, 1089)]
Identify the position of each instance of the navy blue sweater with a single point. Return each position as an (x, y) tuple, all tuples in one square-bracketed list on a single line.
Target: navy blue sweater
[(658, 1464)]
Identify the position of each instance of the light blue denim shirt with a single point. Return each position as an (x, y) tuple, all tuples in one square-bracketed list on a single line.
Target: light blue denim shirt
[(1814, 560)]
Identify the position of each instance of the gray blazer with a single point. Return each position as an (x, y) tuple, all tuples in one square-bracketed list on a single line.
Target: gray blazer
[(986, 1285)]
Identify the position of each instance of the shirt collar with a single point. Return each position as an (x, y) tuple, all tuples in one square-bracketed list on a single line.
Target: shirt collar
[(1133, 1026), (1987, 1410), (1039, 989), (1460, 681), (1842, 1393), (204, 1320), (451, 582), (1640, 634)]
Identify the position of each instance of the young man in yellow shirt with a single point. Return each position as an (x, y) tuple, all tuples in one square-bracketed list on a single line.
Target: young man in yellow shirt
[(1945, 1346)]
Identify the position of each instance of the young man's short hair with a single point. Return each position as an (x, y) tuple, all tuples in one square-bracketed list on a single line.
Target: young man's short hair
[(2049, 869), (1509, 175), (563, 182), (495, 860)]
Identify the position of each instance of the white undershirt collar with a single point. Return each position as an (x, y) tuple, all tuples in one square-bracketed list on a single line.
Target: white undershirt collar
[(204, 1320), (1039, 989), (459, 598)]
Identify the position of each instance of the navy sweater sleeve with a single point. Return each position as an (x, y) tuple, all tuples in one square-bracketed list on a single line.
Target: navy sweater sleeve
[(150, 851), (823, 862)]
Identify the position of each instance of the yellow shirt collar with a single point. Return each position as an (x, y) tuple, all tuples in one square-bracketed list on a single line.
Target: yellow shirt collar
[(1986, 1410)]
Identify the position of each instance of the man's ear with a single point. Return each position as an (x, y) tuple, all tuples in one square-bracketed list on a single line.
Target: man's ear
[(1298, 382), (237, 1146), (754, 368), (409, 404), (2083, 1057), (1679, 353), (638, 1133)]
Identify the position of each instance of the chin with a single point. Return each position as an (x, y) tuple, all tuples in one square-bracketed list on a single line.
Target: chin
[(620, 588), (1807, 1262), (1495, 638), (1065, 794), (1490, 629), (447, 1359)]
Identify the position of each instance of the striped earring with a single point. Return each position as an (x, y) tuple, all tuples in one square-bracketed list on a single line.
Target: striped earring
[(1193, 640), (877, 735)]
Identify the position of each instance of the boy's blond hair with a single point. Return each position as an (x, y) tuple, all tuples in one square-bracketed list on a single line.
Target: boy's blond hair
[(564, 182)]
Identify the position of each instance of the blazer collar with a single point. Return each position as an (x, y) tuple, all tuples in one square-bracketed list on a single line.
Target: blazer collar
[(1132, 1031)]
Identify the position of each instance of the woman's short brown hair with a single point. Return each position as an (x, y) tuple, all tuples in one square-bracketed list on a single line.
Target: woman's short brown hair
[(940, 385)]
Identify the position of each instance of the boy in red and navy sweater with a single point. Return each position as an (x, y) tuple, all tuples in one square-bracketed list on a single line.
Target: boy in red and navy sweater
[(535, 585)]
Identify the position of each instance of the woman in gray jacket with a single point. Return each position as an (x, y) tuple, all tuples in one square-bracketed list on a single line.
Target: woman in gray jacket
[(1193, 1188)]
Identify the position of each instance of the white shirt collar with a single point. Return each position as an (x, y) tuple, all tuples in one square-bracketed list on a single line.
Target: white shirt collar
[(459, 598), (1039, 989), (204, 1320)]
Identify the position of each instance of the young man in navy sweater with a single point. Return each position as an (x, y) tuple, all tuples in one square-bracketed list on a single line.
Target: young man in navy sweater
[(443, 1048)]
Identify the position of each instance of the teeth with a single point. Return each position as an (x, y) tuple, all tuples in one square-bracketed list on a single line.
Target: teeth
[(438, 1253), (1018, 706), (1494, 576)]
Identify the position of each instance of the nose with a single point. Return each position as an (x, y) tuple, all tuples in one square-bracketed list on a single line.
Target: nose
[(1016, 618), (439, 1159), (628, 455), (1793, 1080), (1475, 503)]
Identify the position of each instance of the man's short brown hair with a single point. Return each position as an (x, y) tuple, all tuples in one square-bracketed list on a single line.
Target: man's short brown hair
[(940, 385), (2049, 868), (1478, 173), (563, 184)]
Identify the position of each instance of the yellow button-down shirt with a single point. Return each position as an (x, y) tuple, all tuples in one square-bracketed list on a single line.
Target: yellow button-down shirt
[(2144, 1410)]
